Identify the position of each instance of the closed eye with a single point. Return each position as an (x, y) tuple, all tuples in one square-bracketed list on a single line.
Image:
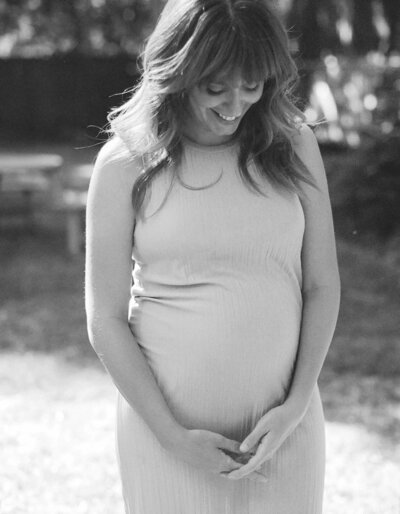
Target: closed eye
[(220, 91), (254, 88), (213, 92)]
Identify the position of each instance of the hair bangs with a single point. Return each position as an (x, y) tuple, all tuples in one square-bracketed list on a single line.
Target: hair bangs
[(237, 52), (256, 65), (213, 58)]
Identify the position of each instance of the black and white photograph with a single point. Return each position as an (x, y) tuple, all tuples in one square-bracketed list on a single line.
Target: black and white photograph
[(199, 256)]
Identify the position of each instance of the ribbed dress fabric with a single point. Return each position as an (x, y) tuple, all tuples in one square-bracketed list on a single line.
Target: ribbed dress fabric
[(216, 309)]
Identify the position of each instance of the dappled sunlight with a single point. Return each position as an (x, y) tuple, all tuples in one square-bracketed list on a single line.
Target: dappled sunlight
[(352, 97), (58, 435), (371, 403), (361, 477), (35, 28), (57, 424)]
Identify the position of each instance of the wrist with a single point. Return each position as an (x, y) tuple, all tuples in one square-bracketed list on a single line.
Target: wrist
[(172, 437), (296, 404)]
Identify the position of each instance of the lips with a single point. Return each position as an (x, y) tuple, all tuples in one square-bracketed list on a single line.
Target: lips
[(229, 119)]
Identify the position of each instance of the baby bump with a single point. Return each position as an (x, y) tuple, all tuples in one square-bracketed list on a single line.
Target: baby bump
[(222, 353)]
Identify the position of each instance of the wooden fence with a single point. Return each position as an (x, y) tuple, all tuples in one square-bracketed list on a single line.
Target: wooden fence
[(57, 97)]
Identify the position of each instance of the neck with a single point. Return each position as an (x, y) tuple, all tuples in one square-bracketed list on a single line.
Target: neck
[(196, 133)]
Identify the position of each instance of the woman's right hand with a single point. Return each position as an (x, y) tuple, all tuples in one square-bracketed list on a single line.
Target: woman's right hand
[(205, 449)]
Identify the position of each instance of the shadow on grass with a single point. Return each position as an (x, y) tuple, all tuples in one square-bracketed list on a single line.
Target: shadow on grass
[(370, 402)]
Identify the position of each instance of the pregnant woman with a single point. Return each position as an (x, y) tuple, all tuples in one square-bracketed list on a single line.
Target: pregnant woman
[(212, 286)]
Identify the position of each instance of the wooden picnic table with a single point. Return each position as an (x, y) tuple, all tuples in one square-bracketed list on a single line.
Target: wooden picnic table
[(30, 172)]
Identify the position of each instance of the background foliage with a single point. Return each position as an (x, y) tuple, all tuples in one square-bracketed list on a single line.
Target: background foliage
[(41, 28), (38, 28)]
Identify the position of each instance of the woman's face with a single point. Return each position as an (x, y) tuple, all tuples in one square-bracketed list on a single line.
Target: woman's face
[(217, 107)]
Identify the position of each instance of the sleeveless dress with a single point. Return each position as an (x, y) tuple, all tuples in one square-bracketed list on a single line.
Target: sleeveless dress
[(216, 309)]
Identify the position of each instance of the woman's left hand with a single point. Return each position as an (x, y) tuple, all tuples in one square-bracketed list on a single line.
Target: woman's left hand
[(269, 433)]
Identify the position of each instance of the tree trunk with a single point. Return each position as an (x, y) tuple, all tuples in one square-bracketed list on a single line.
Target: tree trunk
[(392, 13), (303, 23), (365, 37)]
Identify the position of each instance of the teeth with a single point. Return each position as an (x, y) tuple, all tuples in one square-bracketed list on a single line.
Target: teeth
[(227, 118)]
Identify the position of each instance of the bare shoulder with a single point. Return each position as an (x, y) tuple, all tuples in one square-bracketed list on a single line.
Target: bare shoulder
[(319, 262), (110, 188), (305, 144), (115, 165), (304, 137)]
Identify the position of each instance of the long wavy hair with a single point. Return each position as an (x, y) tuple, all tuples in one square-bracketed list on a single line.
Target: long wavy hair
[(192, 42)]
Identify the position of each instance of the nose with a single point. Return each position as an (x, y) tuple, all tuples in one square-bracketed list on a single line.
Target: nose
[(234, 103)]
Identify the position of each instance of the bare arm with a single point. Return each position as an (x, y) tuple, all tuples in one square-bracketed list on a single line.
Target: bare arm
[(321, 282), (109, 228)]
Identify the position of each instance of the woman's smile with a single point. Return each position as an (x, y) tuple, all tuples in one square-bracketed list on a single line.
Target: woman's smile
[(225, 118), (216, 107)]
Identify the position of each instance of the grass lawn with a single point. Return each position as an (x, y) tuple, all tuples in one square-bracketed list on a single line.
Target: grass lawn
[(58, 455), (57, 403)]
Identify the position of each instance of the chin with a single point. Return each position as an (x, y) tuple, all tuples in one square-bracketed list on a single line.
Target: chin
[(226, 130)]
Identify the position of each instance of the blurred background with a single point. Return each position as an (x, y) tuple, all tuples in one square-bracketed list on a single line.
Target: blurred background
[(63, 65)]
